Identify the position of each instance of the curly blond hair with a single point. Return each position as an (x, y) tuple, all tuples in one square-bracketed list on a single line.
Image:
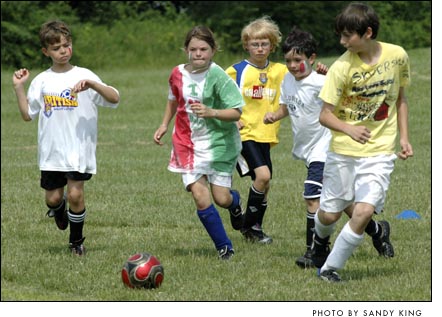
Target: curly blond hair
[(262, 28)]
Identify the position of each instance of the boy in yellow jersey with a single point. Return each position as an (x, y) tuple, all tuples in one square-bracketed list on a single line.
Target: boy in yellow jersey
[(259, 80), (301, 103), (364, 107)]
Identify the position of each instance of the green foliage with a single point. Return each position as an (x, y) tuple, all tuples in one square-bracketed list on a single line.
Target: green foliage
[(398, 20), (112, 33), (132, 43), (135, 204), (19, 37), (411, 25)]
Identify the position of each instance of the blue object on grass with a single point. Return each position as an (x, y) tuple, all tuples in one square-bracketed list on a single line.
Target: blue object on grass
[(408, 214)]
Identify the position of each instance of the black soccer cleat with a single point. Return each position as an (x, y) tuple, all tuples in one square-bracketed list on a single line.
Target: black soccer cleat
[(305, 261), (225, 253), (330, 276), (383, 244), (77, 248), (255, 234)]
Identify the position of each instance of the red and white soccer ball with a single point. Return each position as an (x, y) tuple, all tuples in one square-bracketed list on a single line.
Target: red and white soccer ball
[(142, 270)]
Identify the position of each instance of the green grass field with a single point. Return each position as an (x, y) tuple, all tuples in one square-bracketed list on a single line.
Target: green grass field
[(135, 204)]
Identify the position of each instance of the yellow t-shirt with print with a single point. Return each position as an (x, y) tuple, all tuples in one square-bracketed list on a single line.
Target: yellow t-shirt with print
[(260, 88), (366, 95)]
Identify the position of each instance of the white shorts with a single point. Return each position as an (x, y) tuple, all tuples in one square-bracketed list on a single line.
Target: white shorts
[(220, 180), (350, 179)]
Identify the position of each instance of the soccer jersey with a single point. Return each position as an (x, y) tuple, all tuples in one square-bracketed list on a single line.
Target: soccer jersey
[(366, 95), (67, 125), (260, 88), (204, 145), (310, 138)]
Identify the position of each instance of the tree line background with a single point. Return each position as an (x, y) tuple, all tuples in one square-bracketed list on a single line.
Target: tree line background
[(151, 33)]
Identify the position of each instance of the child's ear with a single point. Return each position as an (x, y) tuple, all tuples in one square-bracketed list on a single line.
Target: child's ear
[(369, 32), (45, 51)]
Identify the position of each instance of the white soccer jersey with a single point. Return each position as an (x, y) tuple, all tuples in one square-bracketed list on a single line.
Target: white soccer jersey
[(310, 139), (67, 125)]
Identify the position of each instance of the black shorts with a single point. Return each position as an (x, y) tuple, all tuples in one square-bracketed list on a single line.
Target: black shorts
[(313, 183), (51, 180), (256, 155)]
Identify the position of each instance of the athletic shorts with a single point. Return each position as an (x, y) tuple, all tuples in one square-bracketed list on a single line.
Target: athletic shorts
[(313, 182), (51, 180), (220, 180), (253, 155), (350, 179)]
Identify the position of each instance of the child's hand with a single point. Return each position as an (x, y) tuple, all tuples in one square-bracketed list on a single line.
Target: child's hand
[(269, 117), (201, 110), (82, 85), (321, 68), (20, 76), (406, 151), (360, 134), (239, 124), (159, 133)]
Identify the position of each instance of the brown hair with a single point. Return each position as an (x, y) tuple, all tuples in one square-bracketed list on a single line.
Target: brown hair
[(52, 31), (202, 33), (357, 17)]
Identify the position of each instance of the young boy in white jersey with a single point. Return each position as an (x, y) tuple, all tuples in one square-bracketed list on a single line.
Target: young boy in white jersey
[(205, 102), (65, 99), (259, 80), (299, 100), (364, 106)]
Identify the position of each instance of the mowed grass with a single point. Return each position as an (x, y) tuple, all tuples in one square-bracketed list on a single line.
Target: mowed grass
[(135, 204)]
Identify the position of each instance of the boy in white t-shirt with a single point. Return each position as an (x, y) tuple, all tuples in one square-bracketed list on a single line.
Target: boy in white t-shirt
[(65, 99)]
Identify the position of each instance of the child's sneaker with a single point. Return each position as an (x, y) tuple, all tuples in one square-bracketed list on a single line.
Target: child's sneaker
[(330, 276), (305, 261), (225, 253), (383, 244), (255, 234), (77, 247)]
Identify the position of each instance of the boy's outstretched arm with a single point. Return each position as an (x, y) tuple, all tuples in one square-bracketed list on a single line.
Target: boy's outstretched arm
[(19, 79)]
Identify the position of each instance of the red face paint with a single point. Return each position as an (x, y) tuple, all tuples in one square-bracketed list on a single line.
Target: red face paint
[(305, 67), (302, 67)]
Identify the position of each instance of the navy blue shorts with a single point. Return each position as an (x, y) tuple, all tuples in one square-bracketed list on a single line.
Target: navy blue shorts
[(313, 183), (51, 180), (256, 155)]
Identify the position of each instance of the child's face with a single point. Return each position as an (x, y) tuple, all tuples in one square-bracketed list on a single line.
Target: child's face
[(59, 52), (351, 41), (259, 50), (298, 64), (200, 54)]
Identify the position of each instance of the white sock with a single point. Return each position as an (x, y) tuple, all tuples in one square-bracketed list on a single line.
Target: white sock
[(321, 230), (343, 248)]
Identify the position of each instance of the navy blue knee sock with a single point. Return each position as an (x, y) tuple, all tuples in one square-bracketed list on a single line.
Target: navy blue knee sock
[(214, 226), (235, 200)]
